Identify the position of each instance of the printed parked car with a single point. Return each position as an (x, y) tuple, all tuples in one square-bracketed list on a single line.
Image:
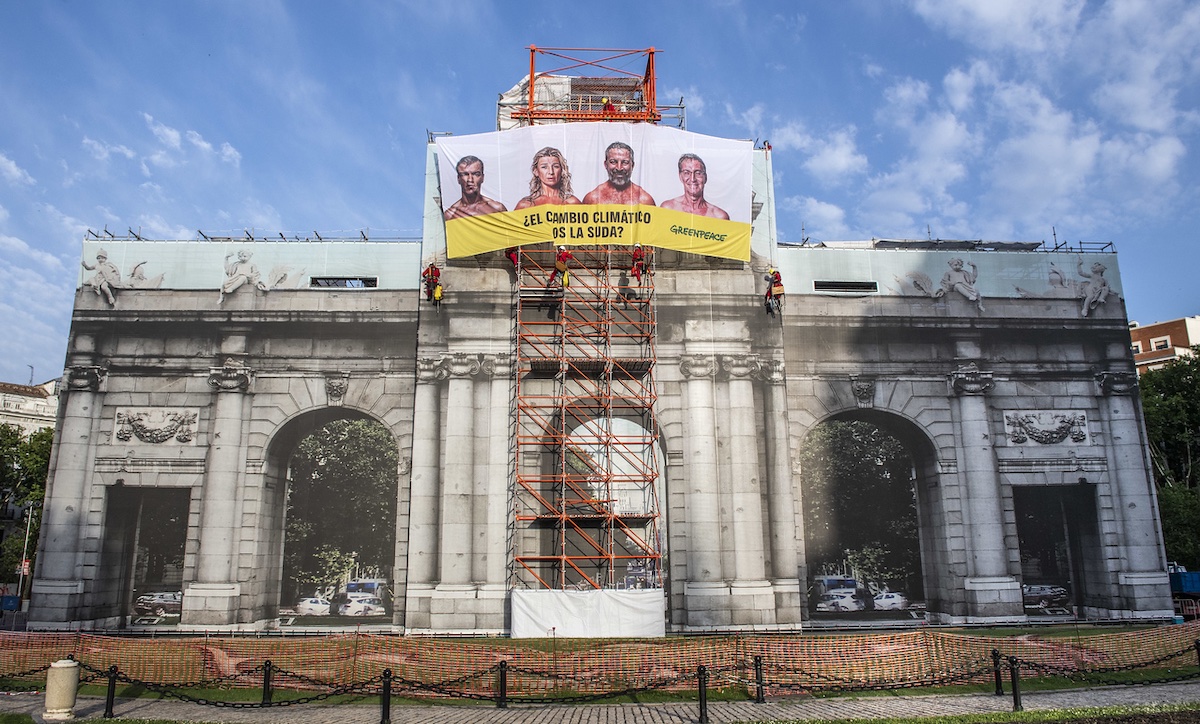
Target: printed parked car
[(160, 604), (890, 601), (1041, 596), (314, 606), (372, 606), (842, 602)]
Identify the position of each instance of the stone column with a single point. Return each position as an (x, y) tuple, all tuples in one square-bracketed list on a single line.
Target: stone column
[(700, 451), (57, 586), (426, 472), (219, 524), (458, 472), (746, 520), (706, 595), (491, 534), (213, 598), (991, 591), (781, 501), (1143, 584)]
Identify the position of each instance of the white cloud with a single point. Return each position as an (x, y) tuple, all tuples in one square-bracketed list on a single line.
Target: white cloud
[(166, 135), (751, 119), (102, 151), (153, 226), (1142, 60), (159, 158), (692, 99), (822, 220), (14, 246), (1024, 26), (1042, 167), (198, 141), (13, 173), (836, 157), (230, 155)]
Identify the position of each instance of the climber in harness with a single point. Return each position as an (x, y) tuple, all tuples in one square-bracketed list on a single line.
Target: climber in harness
[(773, 300), (638, 267), (561, 259), (432, 279)]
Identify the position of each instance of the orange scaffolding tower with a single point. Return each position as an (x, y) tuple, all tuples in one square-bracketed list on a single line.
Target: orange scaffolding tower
[(586, 513), (605, 84)]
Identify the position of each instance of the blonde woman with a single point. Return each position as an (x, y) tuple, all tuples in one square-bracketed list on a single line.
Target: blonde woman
[(551, 181)]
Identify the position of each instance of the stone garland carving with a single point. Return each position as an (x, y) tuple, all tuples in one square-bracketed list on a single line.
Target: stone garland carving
[(1116, 383), (175, 424), (85, 378), (968, 379), (336, 385), (233, 376), (1029, 426), (863, 389)]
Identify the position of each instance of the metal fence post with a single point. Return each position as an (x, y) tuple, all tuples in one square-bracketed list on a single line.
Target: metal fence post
[(385, 701), (112, 692), (266, 688), (1014, 671), (760, 696), (996, 672), (502, 686), (1198, 652), (702, 676)]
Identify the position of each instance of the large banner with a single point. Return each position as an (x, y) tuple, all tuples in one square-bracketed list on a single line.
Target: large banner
[(596, 183)]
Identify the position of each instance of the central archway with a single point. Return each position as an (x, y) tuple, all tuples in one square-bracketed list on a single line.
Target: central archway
[(332, 482), (868, 499)]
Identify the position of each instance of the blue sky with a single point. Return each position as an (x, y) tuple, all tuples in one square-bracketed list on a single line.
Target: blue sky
[(956, 118)]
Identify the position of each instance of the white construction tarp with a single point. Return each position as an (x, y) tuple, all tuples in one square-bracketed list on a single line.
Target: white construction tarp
[(606, 613)]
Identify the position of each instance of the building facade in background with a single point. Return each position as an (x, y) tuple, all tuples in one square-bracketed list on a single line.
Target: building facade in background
[(29, 407), (1154, 345)]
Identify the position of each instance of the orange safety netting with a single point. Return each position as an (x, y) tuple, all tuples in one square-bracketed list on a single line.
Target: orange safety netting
[(449, 667)]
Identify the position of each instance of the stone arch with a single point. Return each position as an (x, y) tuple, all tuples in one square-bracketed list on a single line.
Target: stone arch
[(282, 442), (932, 523)]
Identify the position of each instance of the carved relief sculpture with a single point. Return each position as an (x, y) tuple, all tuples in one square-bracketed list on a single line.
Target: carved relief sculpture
[(155, 426), (1046, 428)]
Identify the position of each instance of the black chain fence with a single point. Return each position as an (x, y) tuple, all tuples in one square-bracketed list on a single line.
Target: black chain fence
[(755, 675)]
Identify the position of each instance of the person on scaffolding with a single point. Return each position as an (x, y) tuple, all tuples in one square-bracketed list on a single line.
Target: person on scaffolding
[(773, 299), (638, 260), (432, 279), (561, 259)]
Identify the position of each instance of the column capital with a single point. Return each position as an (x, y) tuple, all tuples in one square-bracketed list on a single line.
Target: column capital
[(741, 366), (968, 379), (431, 369), (85, 378), (232, 376), (497, 365), (695, 366), (1116, 383), (771, 371), (463, 364)]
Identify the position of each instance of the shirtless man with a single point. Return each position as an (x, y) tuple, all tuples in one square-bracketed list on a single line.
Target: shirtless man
[(472, 203), (693, 175), (619, 188)]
